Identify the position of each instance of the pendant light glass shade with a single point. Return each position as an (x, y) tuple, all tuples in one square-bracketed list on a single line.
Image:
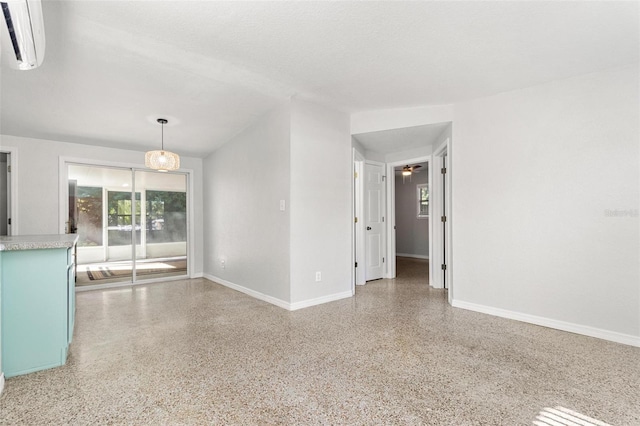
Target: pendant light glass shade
[(162, 160)]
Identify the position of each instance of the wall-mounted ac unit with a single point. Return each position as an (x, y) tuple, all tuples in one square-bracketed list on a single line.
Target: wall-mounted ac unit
[(22, 33)]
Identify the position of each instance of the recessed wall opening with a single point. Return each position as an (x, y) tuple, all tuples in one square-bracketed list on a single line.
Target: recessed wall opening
[(412, 192)]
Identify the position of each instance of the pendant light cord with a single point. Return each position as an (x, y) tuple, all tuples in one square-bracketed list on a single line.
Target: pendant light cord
[(162, 122)]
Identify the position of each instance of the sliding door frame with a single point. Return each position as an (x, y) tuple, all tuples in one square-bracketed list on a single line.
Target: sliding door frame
[(63, 212), (12, 191)]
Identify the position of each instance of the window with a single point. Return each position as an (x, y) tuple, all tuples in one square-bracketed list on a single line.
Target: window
[(423, 199), (120, 218), (166, 216)]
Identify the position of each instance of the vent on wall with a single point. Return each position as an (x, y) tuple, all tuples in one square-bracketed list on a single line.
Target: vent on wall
[(23, 33)]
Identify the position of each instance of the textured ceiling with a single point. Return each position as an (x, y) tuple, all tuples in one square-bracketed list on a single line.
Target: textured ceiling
[(212, 68)]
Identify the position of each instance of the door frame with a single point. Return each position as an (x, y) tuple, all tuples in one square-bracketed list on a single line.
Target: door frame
[(63, 212), (12, 191), (358, 276), (391, 212), (444, 150)]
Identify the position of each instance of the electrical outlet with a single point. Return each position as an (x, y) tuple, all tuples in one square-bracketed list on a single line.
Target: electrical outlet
[(318, 276)]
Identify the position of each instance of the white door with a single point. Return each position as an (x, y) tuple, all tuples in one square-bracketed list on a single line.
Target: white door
[(374, 221)]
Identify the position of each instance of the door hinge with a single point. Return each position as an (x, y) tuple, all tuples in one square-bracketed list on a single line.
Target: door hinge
[(383, 178), (383, 260), (443, 170), (383, 218), (444, 267), (9, 221), (356, 220), (355, 175), (443, 218), (356, 264), (8, 169)]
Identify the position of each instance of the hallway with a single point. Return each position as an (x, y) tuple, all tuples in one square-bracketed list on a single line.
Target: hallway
[(412, 271), (195, 352)]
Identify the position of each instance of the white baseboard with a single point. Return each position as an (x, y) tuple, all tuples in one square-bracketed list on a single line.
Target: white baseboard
[(320, 300), (278, 302), (250, 292), (613, 336), (415, 256), (1, 383)]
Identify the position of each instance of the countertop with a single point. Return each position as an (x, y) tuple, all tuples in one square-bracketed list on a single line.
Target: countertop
[(36, 242)]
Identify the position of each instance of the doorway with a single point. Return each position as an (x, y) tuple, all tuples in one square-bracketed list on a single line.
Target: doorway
[(411, 219), (416, 191), (400, 147), (132, 224)]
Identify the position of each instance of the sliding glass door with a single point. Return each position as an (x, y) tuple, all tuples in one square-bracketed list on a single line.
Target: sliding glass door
[(163, 251), (132, 224), (100, 206)]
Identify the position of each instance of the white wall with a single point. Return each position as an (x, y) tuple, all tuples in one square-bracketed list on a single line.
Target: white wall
[(358, 146), (447, 133), (393, 157), (412, 233), (321, 174), (373, 121), (374, 156), (38, 187), (244, 182), (299, 153), (536, 171)]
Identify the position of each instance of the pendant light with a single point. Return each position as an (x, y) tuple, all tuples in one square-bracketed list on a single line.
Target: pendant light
[(162, 160)]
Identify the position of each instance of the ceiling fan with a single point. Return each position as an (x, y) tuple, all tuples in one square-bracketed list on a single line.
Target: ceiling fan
[(408, 170)]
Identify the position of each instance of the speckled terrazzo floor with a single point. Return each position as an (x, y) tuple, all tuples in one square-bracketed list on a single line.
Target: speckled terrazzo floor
[(194, 352)]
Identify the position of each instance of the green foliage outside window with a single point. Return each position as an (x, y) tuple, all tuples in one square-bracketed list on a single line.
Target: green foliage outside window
[(89, 205), (423, 200)]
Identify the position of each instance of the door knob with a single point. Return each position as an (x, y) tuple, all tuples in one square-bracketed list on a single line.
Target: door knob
[(368, 228)]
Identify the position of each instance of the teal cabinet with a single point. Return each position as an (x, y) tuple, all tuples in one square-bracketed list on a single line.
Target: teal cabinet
[(71, 298), (38, 308)]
